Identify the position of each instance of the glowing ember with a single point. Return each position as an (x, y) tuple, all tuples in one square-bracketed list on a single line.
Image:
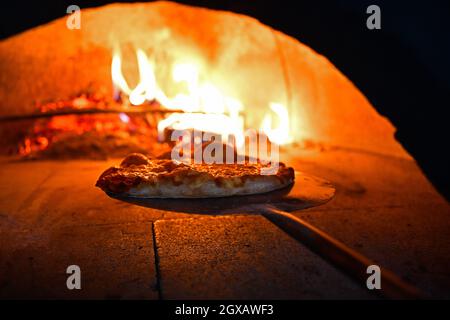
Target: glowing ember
[(204, 106), (93, 136), (124, 118)]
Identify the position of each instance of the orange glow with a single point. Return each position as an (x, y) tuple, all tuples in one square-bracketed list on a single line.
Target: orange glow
[(280, 134), (204, 106)]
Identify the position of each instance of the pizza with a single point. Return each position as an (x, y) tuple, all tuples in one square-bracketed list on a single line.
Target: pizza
[(141, 177)]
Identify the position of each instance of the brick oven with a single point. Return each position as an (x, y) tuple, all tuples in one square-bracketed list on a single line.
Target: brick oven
[(73, 102)]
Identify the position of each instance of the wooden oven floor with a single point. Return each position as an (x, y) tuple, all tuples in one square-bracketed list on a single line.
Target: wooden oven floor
[(52, 216)]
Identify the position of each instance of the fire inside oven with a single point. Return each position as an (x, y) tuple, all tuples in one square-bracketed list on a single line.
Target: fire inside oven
[(133, 73)]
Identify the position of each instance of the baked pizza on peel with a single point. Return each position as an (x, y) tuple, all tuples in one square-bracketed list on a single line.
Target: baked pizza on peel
[(138, 176)]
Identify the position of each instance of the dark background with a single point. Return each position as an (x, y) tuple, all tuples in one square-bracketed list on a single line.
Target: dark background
[(403, 69)]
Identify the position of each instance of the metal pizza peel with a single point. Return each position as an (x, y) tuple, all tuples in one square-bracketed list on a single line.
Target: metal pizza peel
[(278, 206)]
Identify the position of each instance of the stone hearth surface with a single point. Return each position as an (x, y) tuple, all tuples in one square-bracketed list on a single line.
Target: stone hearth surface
[(52, 216)]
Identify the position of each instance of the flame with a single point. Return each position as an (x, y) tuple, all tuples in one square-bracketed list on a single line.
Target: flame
[(204, 107), (214, 122), (279, 135)]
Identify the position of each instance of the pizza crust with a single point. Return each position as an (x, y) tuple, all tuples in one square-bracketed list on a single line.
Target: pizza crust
[(138, 176)]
